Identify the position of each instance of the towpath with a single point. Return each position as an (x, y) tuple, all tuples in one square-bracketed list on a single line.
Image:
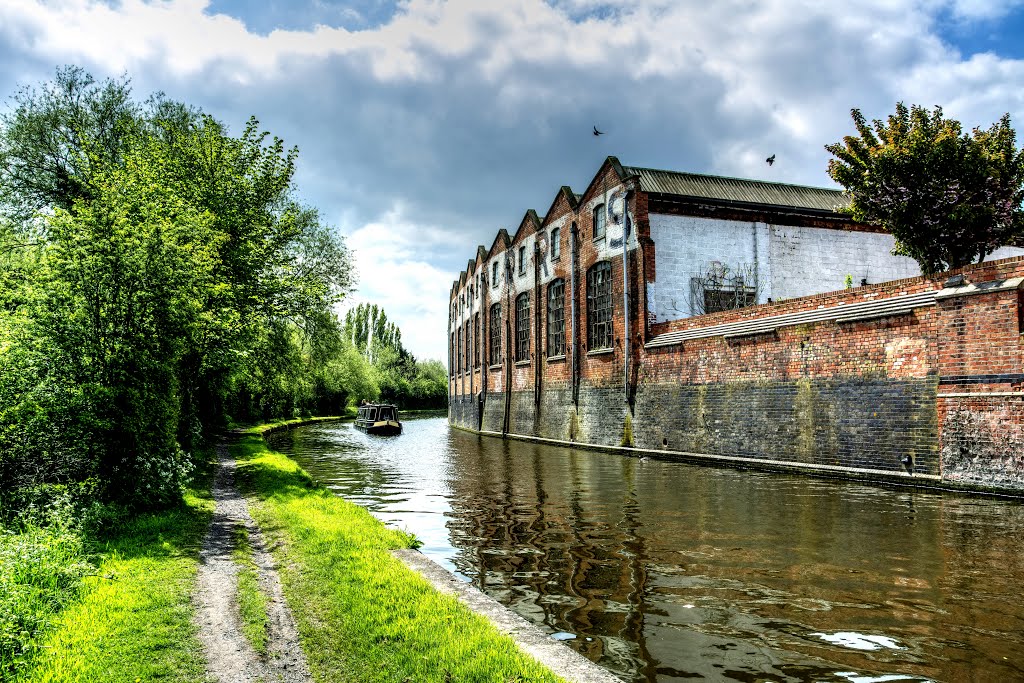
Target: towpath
[(230, 656)]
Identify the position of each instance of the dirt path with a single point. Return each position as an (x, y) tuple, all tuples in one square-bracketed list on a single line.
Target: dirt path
[(230, 657)]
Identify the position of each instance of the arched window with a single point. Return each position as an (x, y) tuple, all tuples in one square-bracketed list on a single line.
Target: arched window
[(599, 216), (599, 306), (556, 318), (523, 326), (556, 244)]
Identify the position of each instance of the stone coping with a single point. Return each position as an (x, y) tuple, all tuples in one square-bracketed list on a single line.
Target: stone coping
[(560, 658)]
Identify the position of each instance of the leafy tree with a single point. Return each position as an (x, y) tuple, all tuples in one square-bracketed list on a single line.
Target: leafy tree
[(948, 197), (59, 136), (156, 274)]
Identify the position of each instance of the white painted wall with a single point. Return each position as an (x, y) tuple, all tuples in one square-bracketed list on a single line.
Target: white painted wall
[(791, 261), (812, 260), (684, 245)]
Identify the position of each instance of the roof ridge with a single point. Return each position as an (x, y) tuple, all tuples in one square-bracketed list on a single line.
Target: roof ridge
[(631, 169)]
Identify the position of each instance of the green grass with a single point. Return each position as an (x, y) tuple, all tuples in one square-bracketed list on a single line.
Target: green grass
[(252, 603), (133, 621), (263, 428), (362, 614), (42, 568)]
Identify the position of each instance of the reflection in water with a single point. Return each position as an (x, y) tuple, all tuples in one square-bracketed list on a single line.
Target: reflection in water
[(666, 571)]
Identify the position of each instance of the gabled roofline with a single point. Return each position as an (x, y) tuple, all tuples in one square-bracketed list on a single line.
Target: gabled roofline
[(530, 218), (619, 169), (481, 253), (570, 199), (502, 237)]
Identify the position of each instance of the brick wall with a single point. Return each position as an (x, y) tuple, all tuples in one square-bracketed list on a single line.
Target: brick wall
[(935, 393)]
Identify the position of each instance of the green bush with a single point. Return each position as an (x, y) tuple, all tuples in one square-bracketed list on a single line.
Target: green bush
[(41, 570)]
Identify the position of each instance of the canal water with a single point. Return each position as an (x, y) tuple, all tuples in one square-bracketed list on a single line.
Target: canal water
[(668, 572)]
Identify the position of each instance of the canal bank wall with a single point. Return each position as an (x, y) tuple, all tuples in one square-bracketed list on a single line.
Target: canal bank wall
[(918, 381)]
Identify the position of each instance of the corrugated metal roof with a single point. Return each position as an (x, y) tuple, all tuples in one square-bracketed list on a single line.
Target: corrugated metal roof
[(737, 189)]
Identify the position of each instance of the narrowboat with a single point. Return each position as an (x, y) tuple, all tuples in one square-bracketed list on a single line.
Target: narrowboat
[(378, 418)]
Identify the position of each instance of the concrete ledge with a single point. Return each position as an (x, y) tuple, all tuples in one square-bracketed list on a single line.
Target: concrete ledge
[(980, 288), (884, 477), (561, 659)]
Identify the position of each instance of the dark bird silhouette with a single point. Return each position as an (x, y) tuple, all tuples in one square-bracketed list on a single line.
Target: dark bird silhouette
[(770, 160), (597, 132)]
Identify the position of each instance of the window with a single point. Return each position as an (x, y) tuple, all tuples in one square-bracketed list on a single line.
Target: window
[(599, 306), (523, 326), (599, 216), (495, 334), (556, 245), (451, 357), (460, 350), (727, 298), (522, 260), (476, 340), (494, 274), (469, 342), (556, 318)]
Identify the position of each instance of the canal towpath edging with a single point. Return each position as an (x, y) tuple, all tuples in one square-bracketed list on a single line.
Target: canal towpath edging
[(560, 658), (230, 656)]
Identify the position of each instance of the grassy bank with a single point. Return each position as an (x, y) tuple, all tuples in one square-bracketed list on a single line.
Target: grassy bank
[(362, 614), (130, 618)]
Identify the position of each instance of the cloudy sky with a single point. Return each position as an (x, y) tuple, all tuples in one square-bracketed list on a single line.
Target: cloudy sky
[(425, 126)]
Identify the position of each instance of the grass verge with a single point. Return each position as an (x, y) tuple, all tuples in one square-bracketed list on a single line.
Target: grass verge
[(133, 619), (252, 603), (362, 614)]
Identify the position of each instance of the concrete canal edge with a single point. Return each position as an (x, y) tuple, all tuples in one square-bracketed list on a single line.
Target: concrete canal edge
[(927, 482), (560, 658)]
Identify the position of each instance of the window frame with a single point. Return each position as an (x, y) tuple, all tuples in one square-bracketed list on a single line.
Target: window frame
[(522, 327), (459, 367), (600, 213), (522, 259), (494, 274), (494, 318), (556, 243), (476, 340), (600, 307), (556, 318)]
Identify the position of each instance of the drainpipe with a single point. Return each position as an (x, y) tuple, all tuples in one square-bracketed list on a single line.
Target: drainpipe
[(574, 257), (536, 324), (485, 311), (625, 293), (508, 344), (451, 365), (469, 347)]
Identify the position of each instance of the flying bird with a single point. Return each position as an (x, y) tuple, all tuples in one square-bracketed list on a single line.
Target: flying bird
[(770, 160), (597, 132)]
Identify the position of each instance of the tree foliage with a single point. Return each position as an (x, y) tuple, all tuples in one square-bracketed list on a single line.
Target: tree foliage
[(398, 376), (158, 278), (948, 197)]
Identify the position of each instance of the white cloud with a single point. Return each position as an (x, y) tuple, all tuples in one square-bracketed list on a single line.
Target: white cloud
[(429, 132), (396, 271)]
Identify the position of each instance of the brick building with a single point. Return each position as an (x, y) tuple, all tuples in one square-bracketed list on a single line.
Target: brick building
[(611, 322)]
